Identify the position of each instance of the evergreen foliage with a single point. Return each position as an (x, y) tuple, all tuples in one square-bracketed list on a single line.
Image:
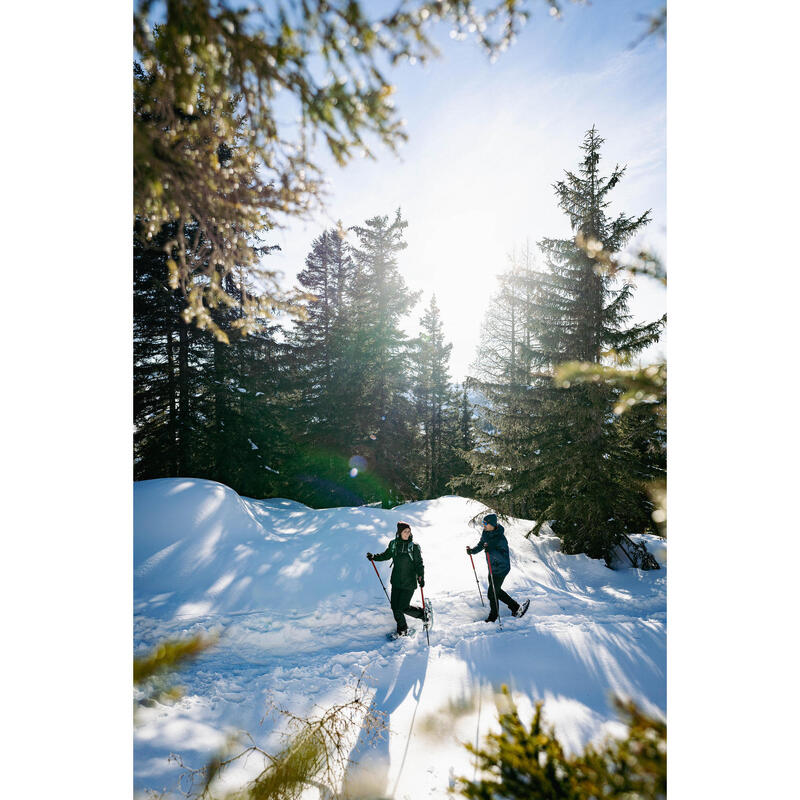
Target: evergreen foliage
[(642, 408), (216, 168), (556, 451), (214, 82), (344, 409), (437, 407), (151, 671), (501, 458), (169, 362), (340, 409), (316, 747), (520, 763), (202, 408), (320, 373), (319, 341), (378, 357)]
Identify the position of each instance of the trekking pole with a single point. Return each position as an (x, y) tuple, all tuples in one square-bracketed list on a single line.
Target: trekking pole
[(425, 615), (480, 593), (494, 591), (379, 578)]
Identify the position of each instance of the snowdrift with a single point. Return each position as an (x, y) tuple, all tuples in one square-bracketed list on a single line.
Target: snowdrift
[(302, 613)]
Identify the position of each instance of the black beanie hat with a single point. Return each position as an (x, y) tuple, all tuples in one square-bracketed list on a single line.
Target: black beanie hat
[(400, 526), (490, 519)]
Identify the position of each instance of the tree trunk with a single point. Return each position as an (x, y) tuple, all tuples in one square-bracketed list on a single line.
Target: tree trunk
[(173, 408), (183, 394)]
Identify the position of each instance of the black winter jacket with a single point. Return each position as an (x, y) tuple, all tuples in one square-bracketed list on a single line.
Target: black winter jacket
[(497, 546), (407, 564)]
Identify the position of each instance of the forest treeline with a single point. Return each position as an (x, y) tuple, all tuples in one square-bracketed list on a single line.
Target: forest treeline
[(341, 407)]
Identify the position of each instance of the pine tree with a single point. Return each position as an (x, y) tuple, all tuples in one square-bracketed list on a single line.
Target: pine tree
[(501, 379), (586, 475), (520, 762), (203, 408), (458, 440), (323, 374), (377, 355), (168, 367), (319, 341), (251, 434), (434, 402)]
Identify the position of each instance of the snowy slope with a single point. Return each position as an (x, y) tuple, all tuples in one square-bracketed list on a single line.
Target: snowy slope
[(302, 615)]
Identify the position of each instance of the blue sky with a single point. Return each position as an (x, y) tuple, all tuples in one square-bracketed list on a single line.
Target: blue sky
[(488, 140)]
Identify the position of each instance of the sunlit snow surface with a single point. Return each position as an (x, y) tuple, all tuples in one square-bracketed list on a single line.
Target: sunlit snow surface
[(302, 616)]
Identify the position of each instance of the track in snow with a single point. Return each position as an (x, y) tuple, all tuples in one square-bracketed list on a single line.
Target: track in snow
[(302, 615)]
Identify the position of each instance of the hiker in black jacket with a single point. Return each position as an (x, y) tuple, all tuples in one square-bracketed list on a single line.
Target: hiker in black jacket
[(493, 540), (407, 571)]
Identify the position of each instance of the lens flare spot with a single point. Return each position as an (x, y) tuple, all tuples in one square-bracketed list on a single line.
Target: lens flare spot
[(358, 463)]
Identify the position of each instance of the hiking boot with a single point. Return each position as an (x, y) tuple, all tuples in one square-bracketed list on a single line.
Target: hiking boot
[(490, 618)]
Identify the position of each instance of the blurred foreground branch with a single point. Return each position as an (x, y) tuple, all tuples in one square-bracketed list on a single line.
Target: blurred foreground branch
[(520, 763), (151, 671), (316, 754)]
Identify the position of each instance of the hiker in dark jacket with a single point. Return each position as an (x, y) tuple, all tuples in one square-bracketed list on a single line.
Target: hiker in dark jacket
[(407, 571), (493, 540)]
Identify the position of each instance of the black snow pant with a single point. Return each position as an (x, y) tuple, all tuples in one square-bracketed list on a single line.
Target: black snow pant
[(400, 600), (497, 580)]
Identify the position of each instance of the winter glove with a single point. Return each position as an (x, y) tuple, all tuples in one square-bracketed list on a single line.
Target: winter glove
[(421, 581), (468, 553), (370, 556)]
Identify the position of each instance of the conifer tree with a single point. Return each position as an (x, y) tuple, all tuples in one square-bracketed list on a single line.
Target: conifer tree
[(435, 402), (501, 378), (251, 433), (168, 368), (555, 451), (322, 371), (466, 427), (457, 440), (318, 341), (587, 474), (377, 356), (523, 762), (201, 408), (461, 429)]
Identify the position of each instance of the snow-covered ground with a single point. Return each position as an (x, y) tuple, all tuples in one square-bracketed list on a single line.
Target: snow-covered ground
[(302, 616)]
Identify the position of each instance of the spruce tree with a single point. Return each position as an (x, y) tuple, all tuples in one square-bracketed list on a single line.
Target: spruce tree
[(169, 408), (318, 341), (435, 402), (377, 356), (250, 433), (322, 372), (522, 762), (501, 378), (462, 432), (458, 440), (587, 471), (202, 408)]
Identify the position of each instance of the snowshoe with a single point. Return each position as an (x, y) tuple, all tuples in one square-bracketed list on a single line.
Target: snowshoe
[(522, 609), (408, 633), (428, 618)]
